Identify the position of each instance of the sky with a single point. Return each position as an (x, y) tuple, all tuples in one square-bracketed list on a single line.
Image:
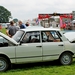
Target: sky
[(29, 9)]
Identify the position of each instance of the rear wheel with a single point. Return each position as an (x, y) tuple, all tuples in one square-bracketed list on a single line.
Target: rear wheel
[(3, 64), (66, 58)]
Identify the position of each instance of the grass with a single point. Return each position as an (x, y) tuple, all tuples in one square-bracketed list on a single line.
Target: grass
[(3, 30), (47, 68)]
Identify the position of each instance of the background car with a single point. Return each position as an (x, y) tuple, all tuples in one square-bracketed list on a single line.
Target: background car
[(70, 36)]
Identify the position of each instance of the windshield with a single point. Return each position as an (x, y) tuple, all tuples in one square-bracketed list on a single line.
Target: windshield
[(18, 36)]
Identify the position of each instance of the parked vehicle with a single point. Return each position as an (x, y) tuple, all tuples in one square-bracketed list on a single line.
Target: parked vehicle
[(70, 36), (35, 44)]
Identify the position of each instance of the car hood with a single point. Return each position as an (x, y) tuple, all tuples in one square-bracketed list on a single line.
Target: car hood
[(70, 36), (8, 38)]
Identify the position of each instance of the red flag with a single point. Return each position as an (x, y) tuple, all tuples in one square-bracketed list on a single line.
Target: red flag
[(61, 25)]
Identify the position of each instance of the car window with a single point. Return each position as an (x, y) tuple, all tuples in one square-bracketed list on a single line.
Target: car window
[(44, 36), (54, 34), (50, 36), (31, 37), (18, 36)]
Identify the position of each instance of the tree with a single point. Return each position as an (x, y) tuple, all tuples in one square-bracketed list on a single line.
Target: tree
[(4, 15), (15, 20)]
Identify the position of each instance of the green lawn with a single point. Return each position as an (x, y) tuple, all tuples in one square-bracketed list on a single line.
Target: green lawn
[(49, 68), (3, 30)]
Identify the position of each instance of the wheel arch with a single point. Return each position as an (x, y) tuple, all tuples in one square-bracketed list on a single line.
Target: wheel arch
[(6, 57), (66, 52)]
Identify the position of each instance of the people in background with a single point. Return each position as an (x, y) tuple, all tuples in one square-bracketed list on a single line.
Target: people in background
[(27, 24), (12, 29), (0, 27), (21, 25)]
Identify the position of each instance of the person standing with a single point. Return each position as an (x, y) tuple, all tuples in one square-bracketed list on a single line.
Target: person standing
[(12, 29), (27, 24), (21, 25)]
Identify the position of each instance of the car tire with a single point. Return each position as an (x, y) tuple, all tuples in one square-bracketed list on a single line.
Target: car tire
[(3, 64), (66, 58)]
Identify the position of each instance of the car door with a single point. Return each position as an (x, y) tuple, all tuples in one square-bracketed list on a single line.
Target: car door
[(52, 45), (30, 49), (7, 48)]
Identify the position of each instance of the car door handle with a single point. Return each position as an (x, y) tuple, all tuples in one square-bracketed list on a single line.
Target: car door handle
[(61, 45), (38, 46)]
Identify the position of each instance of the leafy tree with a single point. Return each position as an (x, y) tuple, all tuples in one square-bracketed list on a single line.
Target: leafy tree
[(15, 20), (4, 15)]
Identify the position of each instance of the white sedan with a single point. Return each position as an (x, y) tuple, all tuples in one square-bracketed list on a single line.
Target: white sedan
[(35, 44)]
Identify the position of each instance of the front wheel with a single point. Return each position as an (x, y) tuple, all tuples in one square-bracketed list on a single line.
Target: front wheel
[(3, 64), (66, 58)]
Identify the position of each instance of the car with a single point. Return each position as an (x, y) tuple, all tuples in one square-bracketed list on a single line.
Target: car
[(70, 35), (35, 44)]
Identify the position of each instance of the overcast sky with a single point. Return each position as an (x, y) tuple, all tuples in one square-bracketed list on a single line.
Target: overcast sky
[(29, 9)]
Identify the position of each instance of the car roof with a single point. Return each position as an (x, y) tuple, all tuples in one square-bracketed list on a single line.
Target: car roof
[(39, 28)]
